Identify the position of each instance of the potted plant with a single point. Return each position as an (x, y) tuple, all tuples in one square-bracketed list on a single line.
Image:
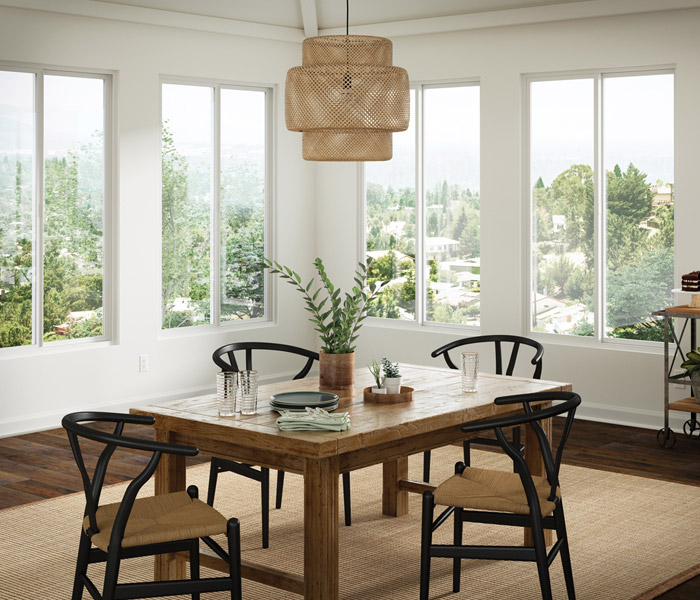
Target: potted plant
[(336, 318), (392, 376), (692, 367), (376, 370)]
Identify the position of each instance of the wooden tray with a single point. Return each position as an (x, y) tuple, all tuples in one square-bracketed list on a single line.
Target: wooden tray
[(405, 395), (683, 309)]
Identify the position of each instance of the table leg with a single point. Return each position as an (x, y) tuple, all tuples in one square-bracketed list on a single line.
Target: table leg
[(534, 461), (395, 500), (169, 477), (321, 529)]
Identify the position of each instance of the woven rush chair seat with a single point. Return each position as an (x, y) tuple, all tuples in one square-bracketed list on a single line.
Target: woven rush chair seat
[(486, 489), (158, 519)]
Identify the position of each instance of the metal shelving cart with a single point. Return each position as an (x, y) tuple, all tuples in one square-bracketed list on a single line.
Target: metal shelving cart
[(666, 437)]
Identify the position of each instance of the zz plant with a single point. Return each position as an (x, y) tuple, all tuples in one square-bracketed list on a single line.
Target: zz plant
[(337, 318)]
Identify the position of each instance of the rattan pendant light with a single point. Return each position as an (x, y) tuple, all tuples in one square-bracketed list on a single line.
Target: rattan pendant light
[(346, 98)]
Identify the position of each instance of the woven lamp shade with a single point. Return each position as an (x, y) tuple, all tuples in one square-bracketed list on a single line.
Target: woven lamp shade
[(347, 98)]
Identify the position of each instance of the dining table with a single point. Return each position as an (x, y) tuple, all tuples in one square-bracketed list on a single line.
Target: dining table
[(380, 433)]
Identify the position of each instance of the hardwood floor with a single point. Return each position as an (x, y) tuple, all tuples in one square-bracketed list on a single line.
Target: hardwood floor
[(40, 465)]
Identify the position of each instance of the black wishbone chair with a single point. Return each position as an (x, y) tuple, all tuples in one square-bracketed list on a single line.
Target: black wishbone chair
[(497, 340), (225, 359), (501, 498), (145, 526)]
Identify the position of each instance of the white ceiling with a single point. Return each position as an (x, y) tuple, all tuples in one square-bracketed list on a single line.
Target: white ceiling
[(292, 20), (331, 13)]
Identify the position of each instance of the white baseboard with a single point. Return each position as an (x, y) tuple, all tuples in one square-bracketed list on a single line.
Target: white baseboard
[(52, 419), (646, 419)]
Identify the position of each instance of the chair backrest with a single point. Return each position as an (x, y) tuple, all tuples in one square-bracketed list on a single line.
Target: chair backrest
[(224, 357), (72, 423), (552, 463), (516, 340)]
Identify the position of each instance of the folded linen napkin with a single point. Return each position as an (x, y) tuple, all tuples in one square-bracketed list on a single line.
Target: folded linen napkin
[(314, 419)]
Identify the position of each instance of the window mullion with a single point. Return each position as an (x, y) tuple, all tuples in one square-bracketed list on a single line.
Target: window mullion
[(215, 269), (421, 294), (38, 207), (599, 236)]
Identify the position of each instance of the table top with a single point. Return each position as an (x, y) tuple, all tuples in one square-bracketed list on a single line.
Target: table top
[(438, 403)]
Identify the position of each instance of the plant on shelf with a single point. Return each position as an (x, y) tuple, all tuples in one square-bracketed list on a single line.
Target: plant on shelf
[(336, 317), (692, 368), (392, 376)]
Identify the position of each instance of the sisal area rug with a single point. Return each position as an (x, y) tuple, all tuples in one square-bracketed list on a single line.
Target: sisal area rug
[(631, 539)]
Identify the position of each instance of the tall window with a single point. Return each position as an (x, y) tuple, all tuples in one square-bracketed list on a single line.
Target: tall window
[(422, 212), (215, 172), (601, 182), (54, 183)]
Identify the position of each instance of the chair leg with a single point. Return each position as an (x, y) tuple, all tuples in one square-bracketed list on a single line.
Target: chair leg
[(346, 499), (516, 444), (81, 566), (213, 476), (426, 466), (194, 565), (564, 551), (265, 505), (280, 489), (233, 532), (425, 543), (111, 576), (541, 558), (457, 562), (466, 448)]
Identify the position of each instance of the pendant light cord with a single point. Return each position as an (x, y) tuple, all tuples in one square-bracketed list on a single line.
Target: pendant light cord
[(347, 17)]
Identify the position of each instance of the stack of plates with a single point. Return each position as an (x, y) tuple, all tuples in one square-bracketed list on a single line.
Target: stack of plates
[(298, 401)]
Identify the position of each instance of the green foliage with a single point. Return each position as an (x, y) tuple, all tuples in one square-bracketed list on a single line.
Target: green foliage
[(648, 331), (584, 329), (692, 361), (339, 323), (376, 370), (391, 369)]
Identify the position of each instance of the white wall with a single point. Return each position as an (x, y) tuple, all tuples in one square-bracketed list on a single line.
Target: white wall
[(39, 386), (619, 385), (316, 206)]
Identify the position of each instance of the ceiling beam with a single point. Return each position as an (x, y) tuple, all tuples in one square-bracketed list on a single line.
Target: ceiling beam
[(309, 17)]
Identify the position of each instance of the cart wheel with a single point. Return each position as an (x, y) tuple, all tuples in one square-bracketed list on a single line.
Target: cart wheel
[(666, 438), (691, 428)]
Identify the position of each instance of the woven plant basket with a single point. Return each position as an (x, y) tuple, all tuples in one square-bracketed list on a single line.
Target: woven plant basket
[(347, 98)]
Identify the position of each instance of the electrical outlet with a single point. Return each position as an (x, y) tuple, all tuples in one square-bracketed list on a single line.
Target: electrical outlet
[(143, 363)]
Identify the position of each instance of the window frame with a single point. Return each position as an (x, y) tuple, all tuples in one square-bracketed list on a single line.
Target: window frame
[(109, 309), (215, 324), (599, 208), (420, 322)]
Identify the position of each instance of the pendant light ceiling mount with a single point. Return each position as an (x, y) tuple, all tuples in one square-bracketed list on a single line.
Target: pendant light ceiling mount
[(347, 98)]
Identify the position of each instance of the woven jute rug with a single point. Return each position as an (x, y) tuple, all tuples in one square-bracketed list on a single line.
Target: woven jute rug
[(631, 539)]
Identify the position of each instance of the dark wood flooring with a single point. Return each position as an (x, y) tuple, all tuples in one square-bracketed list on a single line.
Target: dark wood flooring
[(40, 465)]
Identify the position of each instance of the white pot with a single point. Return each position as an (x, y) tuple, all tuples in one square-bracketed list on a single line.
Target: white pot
[(378, 390), (392, 385)]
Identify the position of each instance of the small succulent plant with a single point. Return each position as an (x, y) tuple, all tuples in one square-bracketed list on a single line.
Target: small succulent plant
[(390, 369), (692, 362)]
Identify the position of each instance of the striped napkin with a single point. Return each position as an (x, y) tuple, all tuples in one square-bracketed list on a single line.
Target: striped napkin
[(314, 419)]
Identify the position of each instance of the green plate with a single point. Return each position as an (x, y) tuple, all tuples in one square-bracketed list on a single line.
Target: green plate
[(301, 399)]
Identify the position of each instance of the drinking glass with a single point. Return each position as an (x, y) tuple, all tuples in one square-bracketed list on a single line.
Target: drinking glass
[(470, 371), (226, 389), (248, 392)]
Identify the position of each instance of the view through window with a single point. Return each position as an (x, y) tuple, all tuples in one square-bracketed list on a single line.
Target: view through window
[(631, 192), (438, 217), (215, 162), (64, 300)]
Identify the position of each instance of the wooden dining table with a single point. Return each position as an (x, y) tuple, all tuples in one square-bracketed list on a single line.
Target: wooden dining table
[(380, 434)]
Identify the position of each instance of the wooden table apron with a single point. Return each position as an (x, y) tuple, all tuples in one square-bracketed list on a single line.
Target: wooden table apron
[(385, 434)]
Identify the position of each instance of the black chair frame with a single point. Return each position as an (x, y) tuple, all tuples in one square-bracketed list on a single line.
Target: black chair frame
[(517, 341), (225, 359), (112, 590), (536, 553)]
